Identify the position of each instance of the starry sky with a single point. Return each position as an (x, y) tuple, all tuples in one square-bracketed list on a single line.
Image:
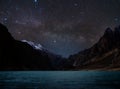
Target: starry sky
[(63, 27)]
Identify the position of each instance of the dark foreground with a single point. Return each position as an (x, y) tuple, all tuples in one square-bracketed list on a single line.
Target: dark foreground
[(60, 80)]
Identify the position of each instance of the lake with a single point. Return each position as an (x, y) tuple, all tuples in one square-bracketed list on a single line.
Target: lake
[(60, 80)]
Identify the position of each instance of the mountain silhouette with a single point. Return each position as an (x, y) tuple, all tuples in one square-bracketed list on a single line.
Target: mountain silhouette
[(104, 55), (25, 55), (18, 55)]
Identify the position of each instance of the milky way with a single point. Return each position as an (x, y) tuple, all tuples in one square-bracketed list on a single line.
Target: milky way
[(63, 27)]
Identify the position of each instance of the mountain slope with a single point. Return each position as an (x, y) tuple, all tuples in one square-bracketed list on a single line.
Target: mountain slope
[(18, 55), (105, 54), (36, 46)]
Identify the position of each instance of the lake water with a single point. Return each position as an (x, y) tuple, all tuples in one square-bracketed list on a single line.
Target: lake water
[(59, 80)]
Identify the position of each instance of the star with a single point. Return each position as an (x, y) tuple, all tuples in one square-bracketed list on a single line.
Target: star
[(5, 19), (82, 12), (16, 21), (16, 8), (75, 4), (35, 1), (73, 16), (54, 41), (116, 19), (19, 33)]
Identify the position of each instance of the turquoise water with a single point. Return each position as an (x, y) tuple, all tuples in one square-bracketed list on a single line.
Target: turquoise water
[(59, 80)]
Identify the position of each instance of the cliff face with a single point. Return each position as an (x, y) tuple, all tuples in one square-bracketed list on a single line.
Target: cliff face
[(105, 54), (17, 55)]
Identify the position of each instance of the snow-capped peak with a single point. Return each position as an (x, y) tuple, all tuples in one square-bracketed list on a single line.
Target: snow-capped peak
[(34, 45)]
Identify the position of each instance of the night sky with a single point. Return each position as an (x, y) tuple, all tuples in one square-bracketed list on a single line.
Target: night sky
[(63, 27)]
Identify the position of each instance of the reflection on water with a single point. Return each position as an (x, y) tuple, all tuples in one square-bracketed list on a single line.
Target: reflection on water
[(59, 80)]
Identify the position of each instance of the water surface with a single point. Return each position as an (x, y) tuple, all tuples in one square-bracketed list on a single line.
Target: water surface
[(59, 80)]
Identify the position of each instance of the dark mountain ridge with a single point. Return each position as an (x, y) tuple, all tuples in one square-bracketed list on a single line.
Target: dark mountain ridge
[(105, 54), (17, 55)]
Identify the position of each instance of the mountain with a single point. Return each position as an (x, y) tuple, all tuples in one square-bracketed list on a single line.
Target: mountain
[(104, 55), (36, 46), (57, 62), (25, 55)]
